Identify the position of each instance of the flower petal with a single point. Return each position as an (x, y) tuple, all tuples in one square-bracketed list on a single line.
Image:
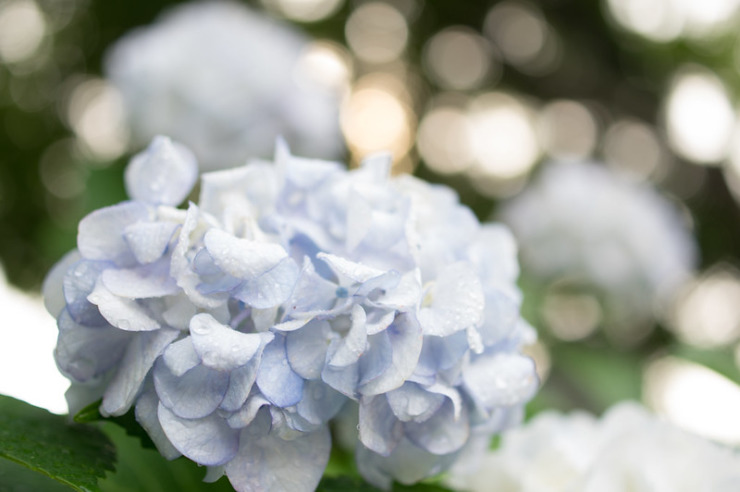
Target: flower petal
[(181, 356), (271, 463), (207, 441), (194, 395), (271, 288), (83, 353), (412, 402), (163, 174), (146, 416), (101, 234), (134, 367), (276, 380), (142, 282), (380, 430), (221, 347), (54, 299), (404, 335), (354, 343), (306, 348), (500, 379), (122, 313), (442, 433), (242, 258), (149, 240), (320, 402), (457, 301), (78, 283)]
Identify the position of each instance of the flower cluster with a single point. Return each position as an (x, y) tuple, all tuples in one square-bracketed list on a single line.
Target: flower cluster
[(619, 236), (240, 327), (225, 80), (628, 449)]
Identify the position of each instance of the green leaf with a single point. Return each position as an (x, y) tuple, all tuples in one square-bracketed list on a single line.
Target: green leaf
[(75, 455), (144, 470), (127, 422)]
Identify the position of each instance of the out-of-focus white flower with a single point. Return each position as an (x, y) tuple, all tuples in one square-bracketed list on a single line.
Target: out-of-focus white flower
[(584, 221), (238, 329), (628, 449), (224, 80)]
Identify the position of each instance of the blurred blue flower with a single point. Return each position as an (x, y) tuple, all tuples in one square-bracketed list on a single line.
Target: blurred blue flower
[(240, 327)]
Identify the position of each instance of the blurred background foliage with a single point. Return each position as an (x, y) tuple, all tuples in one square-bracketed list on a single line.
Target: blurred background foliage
[(472, 94)]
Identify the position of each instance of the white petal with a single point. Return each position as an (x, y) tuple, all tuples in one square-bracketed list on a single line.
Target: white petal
[(149, 240), (207, 441), (457, 302), (320, 402), (163, 174), (136, 363), (271, 463), (221, 347), (122, 313), (101, 234)]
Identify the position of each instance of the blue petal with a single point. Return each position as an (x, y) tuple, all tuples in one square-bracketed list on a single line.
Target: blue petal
[(241, 381), (275, 378), (149, 240), (78, 283), (271, 288), (83, 353), (376, 359), (221, 347), (242, 258), (136, 363), (194, 395), (407, 464), (267, 462), (342, 379), (412, 402), (353, 345), (207, 441), (404, 335), (442, 433), (142, 282), (500, 379), (456, 301), (320, 402), (122, 313), (146, 416), (53, 289), (163, 174), (306, 348), (180, 357), (380, 430), (101, 234)]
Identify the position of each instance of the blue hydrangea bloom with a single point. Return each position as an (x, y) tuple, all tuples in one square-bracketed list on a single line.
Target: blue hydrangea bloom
[(294, 295)]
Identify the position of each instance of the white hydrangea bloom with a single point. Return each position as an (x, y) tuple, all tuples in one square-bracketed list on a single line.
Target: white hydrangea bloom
[(240, 328), (585, 221), (628, 449), (222, 79)]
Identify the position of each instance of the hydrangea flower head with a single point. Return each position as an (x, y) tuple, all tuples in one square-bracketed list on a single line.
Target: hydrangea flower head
[(296, 293), (224, 79), (619, 236), (627, 449)]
